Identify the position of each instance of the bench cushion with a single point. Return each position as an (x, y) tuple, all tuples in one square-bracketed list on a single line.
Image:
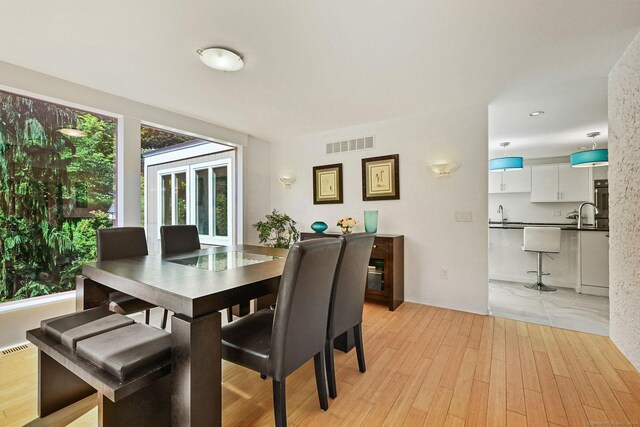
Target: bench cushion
[(123, 352), (71, 328), (126, 304)]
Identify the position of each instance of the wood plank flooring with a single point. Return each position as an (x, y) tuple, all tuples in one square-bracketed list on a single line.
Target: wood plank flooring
[(426, 366)]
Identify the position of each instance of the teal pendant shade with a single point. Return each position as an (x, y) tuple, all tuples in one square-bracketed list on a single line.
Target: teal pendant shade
[(319, 226), (371, 221), (590, 158), (501, 164)]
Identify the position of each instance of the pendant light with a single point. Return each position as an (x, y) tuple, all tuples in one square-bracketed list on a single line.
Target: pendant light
[(504, 163), (590, 158)]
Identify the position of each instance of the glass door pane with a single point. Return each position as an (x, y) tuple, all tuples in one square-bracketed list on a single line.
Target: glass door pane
[(375, 275), (181, 198), (202, 201), (221, 200), (166, 200)]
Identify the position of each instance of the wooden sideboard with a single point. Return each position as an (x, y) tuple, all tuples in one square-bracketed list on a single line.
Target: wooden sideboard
[(385, 279)]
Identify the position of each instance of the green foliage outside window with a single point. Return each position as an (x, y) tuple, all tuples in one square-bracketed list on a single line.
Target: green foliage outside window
[(55, 191)]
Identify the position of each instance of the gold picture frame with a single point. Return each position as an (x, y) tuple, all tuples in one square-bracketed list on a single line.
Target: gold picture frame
[(327, 184), (381, 178)]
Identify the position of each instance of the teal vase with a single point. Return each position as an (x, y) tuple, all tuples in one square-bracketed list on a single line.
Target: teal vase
[(371, 221), (319, 226)]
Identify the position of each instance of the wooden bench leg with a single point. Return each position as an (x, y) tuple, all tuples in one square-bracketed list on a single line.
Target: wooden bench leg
[(149, 407), (57, 386)]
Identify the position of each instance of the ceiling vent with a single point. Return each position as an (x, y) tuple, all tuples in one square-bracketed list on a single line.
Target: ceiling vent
[(364, 143)]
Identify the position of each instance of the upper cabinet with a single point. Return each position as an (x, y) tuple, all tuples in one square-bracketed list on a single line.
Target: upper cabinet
[(510, 181), (560, 183)]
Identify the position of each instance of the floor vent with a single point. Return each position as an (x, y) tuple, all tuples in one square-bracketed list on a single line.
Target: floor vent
[(365, 143), (14, 349)]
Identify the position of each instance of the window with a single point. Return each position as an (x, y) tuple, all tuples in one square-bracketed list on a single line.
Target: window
[(173, 197), (199, 194), (57, 186)]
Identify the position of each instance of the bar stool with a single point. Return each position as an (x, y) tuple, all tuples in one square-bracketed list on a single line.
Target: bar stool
[(543, 240)]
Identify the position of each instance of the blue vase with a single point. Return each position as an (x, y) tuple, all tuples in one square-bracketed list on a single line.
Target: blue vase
[(319, 226), (371, 221)]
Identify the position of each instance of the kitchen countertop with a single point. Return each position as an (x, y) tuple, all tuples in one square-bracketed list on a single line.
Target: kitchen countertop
[(520, 225)]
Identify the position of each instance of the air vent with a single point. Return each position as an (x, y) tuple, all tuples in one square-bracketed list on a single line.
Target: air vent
[(14, 349), (365, 143)]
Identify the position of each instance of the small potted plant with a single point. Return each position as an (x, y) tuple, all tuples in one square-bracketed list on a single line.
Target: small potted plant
[(278, 230), (346, 224)]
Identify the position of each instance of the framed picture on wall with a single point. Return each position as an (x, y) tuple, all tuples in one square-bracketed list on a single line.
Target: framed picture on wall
[(327, 184), (381, 178)]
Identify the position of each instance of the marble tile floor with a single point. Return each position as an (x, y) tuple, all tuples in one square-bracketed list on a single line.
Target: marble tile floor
[(563, 308)]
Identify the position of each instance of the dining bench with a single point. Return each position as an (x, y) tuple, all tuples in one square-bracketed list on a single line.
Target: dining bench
[(128, 364)]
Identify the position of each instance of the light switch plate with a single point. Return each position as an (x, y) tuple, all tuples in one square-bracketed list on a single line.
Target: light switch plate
[(464, 216)]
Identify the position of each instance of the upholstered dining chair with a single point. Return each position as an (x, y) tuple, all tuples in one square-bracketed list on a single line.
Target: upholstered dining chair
[(175, 239), (123, 242), (277, 342), (347, 299)]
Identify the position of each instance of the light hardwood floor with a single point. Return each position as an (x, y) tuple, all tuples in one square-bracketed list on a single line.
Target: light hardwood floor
[(425, 366)]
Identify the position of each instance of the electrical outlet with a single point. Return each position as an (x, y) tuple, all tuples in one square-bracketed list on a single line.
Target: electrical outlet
[(464, 216), (557, 213), (444, 274)]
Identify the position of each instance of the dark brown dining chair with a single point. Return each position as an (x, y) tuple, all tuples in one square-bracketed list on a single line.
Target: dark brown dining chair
[(123, 242), (276, 342), (347, 299), (175, 239)]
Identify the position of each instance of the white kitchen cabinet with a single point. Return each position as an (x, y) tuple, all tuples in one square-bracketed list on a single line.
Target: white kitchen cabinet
[(594, 262), (560, 183), (510, 181), (544, 183), (573, 184)]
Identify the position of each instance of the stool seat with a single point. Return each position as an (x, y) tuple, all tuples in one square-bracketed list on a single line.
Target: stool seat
[(542, 239), (123, 352), (71, 328)]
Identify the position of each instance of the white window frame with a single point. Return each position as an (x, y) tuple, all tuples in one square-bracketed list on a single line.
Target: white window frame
[(174, 195), (211, 238)]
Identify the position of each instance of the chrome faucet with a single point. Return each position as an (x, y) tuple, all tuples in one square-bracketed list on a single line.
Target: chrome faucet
[(580, 212), (501, 212)]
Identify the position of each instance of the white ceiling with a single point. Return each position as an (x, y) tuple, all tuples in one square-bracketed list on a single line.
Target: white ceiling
[(318, 65)]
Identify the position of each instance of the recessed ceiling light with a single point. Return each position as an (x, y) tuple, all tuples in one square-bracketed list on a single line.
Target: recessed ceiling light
[(221, 59), (73, 132), (536, 113)]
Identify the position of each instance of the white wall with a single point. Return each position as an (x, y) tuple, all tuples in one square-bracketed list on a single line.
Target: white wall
[(257, 185), (624, 199), (425, 211)]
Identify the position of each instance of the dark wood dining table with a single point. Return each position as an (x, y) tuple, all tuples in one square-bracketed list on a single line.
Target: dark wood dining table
[(189, 285)]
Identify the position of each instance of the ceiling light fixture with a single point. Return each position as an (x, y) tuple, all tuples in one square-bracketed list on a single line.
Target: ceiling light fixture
[(536, 113), (590, 158), (73, 132), (221, 59), (504, 163)]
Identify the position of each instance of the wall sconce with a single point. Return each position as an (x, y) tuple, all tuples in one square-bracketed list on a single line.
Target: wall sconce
[(444, 169), (287, 181)]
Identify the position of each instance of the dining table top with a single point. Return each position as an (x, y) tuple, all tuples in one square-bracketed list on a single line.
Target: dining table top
[(197, 282)]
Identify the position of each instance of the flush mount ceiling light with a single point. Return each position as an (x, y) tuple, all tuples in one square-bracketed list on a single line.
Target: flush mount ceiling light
[(220, 58), (536, 113), (590, 158), (504, 163), (73, 132)]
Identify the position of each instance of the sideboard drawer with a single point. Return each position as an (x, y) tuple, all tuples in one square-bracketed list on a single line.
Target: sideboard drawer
[(380, 250)]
